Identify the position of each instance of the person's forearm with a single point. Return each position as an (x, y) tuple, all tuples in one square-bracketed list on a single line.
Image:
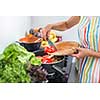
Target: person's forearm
[(62, 26), (94, 54)]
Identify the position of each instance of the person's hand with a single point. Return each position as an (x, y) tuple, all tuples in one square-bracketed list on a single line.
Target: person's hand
[(82, 52), (46, 30)]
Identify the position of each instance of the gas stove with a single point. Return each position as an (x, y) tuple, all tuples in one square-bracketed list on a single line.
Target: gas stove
[(58, 74), (61, 75)]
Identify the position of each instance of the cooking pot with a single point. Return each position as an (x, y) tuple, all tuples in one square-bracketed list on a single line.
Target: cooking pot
[(30, 46)]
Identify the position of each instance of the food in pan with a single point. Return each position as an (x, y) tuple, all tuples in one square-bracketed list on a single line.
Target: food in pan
[(46, 59), (29, 39), (66, 48)]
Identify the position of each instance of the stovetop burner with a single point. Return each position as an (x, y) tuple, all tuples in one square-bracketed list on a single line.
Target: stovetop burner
[(61, 73)]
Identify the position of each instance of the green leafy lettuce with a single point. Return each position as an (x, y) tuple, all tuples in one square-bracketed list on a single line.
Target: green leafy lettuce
[(13, 64)]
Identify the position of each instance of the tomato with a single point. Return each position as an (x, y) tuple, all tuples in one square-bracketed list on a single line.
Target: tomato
[(49, 49), (46, 60)]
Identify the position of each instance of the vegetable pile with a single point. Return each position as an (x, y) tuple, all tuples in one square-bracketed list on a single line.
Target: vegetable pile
[(13, 64)]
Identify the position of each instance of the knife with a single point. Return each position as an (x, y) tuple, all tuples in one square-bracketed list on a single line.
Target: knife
[(51, 43)]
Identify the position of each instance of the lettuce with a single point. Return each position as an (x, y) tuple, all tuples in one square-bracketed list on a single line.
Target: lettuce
[(13, 64)]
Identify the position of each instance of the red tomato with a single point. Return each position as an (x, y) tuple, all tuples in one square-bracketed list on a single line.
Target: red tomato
[(49, 49), (46, 49), (52, 49), (45, 59)]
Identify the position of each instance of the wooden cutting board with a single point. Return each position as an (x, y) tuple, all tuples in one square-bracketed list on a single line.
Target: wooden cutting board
[(65, 48)]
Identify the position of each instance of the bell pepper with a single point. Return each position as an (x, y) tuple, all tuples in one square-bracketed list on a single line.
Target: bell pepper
[(46, 60), (49, 49)]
